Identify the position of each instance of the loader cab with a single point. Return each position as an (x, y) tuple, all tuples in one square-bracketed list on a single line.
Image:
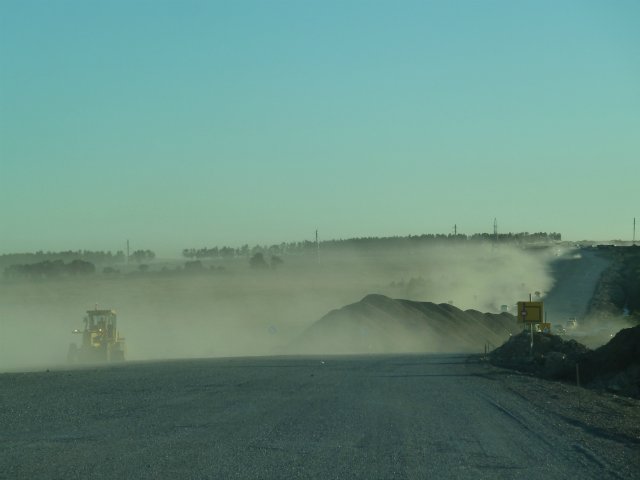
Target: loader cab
[(101, 323)]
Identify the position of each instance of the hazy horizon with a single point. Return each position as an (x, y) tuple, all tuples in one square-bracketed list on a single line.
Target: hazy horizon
[(177, 253), (256, 312)]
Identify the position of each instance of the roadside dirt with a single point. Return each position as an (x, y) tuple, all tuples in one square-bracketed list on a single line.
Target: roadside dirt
[(614, 367), (597, 417)]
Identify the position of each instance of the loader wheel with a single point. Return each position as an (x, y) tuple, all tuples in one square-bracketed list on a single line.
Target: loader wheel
[(72, 354)]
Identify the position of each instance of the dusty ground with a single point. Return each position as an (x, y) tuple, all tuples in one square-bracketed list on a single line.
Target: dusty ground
[(369, 417), (593, 414)]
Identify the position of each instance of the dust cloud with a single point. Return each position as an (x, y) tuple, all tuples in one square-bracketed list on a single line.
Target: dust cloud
[(240, 311), (599, 328)]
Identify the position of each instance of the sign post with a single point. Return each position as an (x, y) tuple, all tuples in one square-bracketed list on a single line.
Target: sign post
[(530, 313)]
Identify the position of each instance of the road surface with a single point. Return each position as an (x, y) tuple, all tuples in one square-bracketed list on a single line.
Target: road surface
[(367, 417), (576, 276)]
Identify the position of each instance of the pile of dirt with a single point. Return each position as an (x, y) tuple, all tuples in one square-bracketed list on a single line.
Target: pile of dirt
[(614, 367), (551, 356), (379, 324)]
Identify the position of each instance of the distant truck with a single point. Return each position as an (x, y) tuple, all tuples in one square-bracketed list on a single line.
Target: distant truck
[(101, 340), (572, 323)]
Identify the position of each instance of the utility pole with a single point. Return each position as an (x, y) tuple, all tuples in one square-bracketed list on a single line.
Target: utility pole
[(634, 231), (495, 233), (317, 248), (127, 251), (455, 230), (531, 333)]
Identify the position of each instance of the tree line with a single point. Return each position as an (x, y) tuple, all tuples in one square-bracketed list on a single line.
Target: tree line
[(308, 246), (49, 269), (95, 257)]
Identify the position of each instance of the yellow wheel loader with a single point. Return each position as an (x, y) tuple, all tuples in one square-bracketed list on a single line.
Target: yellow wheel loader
[(101, 341)]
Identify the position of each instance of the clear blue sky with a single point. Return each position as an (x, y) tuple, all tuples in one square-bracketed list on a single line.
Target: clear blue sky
[(198, 123)]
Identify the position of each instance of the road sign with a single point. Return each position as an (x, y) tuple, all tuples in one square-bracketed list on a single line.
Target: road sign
[(530, 312)]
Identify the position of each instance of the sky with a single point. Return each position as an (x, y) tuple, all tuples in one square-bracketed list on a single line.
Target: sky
[(180, 124)]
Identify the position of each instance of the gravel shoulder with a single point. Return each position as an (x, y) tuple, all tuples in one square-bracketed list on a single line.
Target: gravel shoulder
[(598, 419)]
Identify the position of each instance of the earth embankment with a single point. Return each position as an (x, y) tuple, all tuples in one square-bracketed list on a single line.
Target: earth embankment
[(379, 324)]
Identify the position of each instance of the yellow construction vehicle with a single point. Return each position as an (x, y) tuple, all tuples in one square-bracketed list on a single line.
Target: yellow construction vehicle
[(543, 327), (101, 341)]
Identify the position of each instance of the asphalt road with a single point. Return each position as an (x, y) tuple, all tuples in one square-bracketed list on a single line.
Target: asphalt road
[(576, 277), (368, 417)]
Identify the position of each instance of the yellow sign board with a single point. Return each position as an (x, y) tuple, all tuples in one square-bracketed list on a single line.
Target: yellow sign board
[(530, 312)]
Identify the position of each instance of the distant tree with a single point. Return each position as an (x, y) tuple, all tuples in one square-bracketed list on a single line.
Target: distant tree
[(227, 252), (258, 262), (143, 267), (80, 267), (194, 266), (49, 269), (276, 261), (140, 256)]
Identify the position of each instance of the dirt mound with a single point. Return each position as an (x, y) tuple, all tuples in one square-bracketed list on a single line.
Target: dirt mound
[(551, 356), (378, 324), (614, 367)]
